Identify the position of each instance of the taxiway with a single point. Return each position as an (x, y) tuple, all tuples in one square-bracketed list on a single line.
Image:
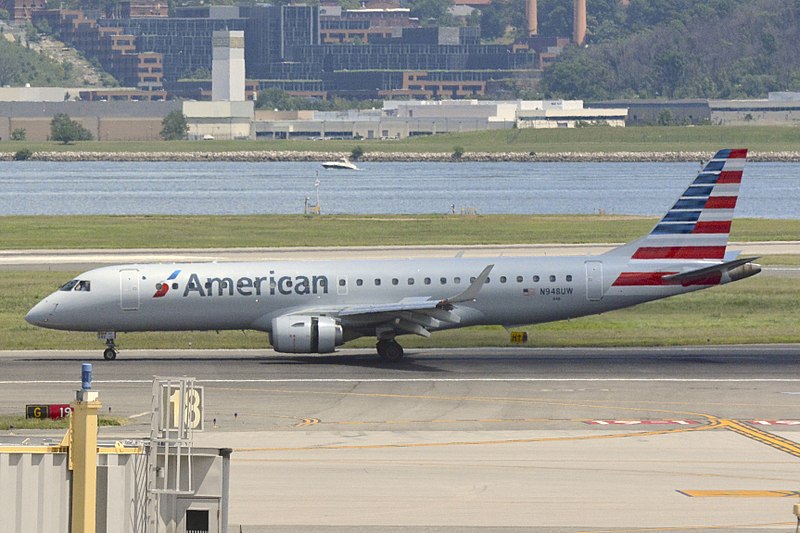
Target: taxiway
[(687, 439)]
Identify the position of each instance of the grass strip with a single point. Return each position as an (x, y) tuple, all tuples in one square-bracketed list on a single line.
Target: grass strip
[(593, 139), (171, 231), (8, 422)]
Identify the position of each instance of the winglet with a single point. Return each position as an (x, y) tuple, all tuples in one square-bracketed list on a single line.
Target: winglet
[(471, 292)]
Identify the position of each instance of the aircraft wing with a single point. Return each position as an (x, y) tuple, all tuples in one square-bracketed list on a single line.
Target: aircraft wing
[(410, 315)]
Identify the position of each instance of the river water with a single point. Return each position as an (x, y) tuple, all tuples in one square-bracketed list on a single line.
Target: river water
[(769, 190)]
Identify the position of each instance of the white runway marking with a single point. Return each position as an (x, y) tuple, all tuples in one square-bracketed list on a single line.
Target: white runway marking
[(431, 380)]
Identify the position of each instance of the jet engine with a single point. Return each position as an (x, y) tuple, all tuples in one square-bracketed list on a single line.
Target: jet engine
[(305, 334)]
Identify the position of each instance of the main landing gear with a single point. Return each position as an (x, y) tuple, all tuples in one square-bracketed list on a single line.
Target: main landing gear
[(110, 353), (389, 351)]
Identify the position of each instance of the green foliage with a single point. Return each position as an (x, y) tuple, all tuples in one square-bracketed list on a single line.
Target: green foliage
[(200, 73), (356, 153), (18, 134), (43, 27), (31, 35), (432, 12), (665, 118), (66, 130), (174, 126), (19, 65), (458, 151), (280, 100), (23, 155), (683, 49)]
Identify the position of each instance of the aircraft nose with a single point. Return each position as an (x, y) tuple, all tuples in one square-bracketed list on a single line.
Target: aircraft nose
[(41, 313)]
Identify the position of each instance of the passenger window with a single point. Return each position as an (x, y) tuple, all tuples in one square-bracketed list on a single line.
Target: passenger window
[(395, 281), (377, 282), (569, 277), (503, 279), (552, 279), (410, 281), (472, 279), (536, 279), (427, 281), (342, 282), (174, 286), (519, 279), (359, 282), (456, 280), (443, 281)]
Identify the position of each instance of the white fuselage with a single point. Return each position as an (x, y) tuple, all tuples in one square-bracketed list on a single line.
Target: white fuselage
[(229, 296)]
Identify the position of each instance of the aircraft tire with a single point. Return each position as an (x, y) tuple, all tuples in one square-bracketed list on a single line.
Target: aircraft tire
[(390, 351), (109, 354)]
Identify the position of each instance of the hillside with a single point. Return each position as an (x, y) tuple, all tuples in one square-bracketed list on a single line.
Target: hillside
[(20, 65), (683, 49)]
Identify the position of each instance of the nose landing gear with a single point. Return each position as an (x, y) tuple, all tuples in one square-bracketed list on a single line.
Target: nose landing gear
[(110, 353)]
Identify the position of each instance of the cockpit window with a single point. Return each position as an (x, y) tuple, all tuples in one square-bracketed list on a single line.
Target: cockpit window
[(82, 285), (68, 286)]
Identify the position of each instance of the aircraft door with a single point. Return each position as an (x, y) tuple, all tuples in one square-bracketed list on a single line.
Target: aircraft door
[(129, 289), (594, 280)]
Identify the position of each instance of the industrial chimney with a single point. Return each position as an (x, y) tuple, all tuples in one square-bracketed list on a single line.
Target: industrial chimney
[(533, 19), (579, 23)]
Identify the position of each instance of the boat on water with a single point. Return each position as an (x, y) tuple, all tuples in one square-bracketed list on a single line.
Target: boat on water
[(341, 164)]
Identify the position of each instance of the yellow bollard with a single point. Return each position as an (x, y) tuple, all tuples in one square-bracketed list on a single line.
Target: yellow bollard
[(83, 455)]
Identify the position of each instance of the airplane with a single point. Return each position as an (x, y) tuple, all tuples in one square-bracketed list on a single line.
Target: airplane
[(315, 306)]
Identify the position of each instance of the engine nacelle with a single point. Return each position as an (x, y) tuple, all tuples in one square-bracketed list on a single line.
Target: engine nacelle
[(305, 334)]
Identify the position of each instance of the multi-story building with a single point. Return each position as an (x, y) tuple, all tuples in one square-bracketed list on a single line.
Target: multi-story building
[(364, 24), (22, 9), (115, 49), (140, 8), (374, 52)]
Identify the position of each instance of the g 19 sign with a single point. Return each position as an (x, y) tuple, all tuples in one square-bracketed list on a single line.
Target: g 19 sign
[(53, 411)]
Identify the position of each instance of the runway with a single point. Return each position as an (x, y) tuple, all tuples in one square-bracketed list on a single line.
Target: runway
[(637, 439)]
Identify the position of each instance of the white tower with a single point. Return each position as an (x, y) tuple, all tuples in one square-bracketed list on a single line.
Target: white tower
[(227, 67)]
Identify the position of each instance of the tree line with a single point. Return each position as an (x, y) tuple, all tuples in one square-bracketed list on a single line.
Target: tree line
[(715, 49)]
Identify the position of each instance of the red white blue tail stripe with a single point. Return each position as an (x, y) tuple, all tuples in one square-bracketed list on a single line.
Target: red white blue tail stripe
[(698, 225)]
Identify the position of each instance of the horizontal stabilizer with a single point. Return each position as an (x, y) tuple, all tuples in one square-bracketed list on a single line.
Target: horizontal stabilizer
[(722, 268)]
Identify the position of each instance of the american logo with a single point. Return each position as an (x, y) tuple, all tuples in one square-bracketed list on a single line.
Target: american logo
[(163, 288)]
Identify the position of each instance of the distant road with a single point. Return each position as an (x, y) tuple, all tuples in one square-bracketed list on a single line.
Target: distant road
[(77, 259)]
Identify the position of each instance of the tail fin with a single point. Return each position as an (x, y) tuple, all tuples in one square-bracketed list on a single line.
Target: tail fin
[(698, 225)]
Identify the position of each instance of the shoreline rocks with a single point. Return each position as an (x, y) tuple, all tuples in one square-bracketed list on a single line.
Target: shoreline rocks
[(267, 156)]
